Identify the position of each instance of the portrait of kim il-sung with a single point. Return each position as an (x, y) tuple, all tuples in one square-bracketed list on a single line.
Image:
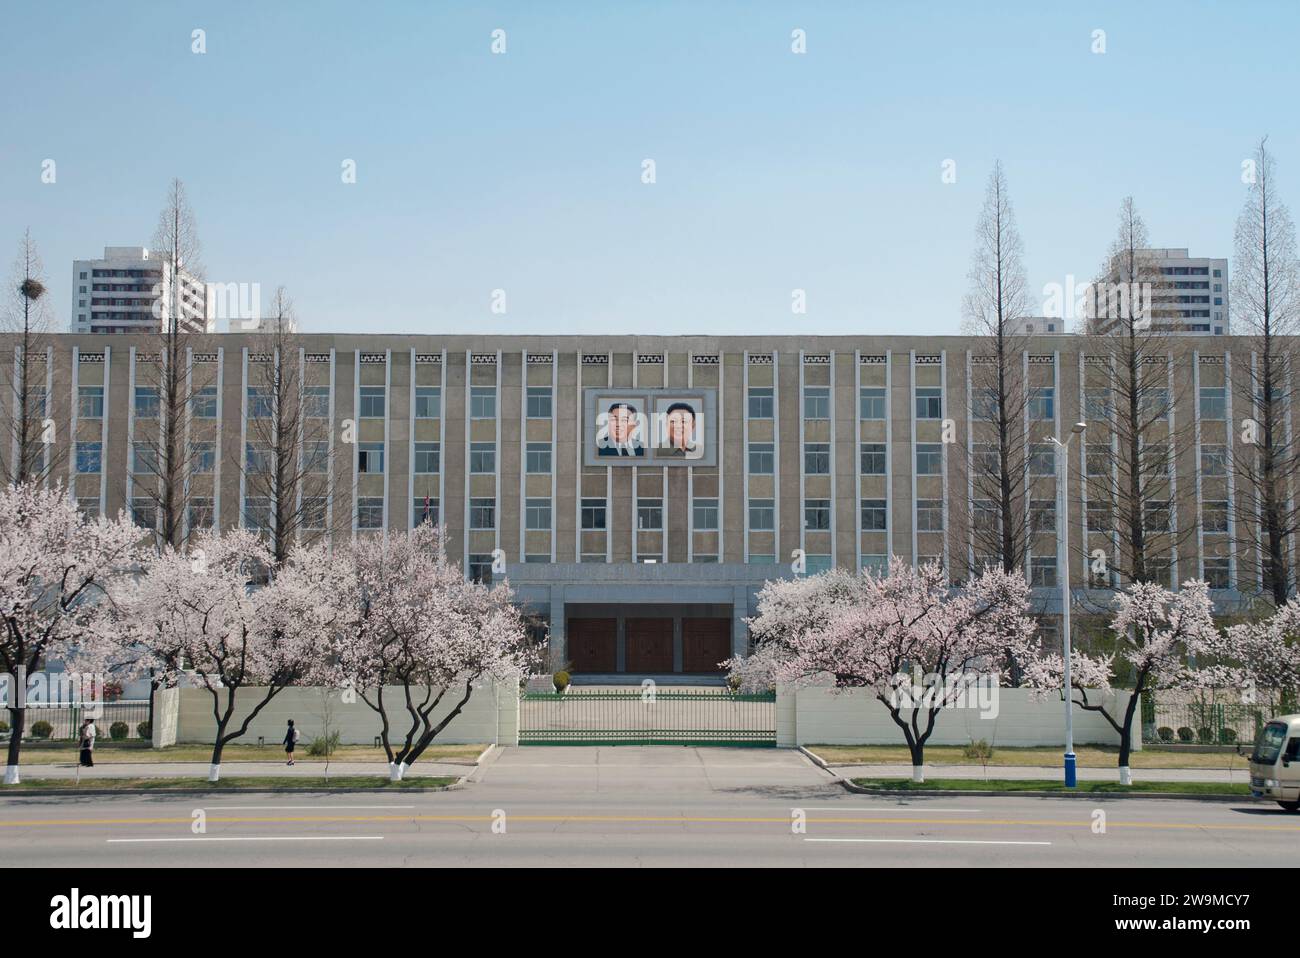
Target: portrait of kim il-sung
[(620, 429), (680, 429)]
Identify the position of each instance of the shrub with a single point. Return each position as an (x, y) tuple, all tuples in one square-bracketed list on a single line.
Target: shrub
[(980, 751), (1205, 735), (561, 680), (42, 729), (4, 727), (118, 731), (1186, 735), (1165, 733), (144, 730), (1227, 736), (322, 746)]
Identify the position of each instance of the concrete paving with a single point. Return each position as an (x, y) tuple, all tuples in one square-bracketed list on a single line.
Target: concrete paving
[(233, 770)]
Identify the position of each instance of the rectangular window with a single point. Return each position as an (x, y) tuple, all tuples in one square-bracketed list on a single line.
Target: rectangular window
[(1155, 516), (929, 515), (1217, 572), (761, 558), (1100, 516), (815, 564), (313, 513), (1214, 515), (929, 459), (929, 402), (1154, 405), (537, 557), (483, 513), (876, 565), (1042, 515), (984, 404), (483, 402), (705, 515), (1214, 459), (259, 403), (480, 567), (1096, 404), (90, 402), (817, 459), (985, 516), (539, 402), (816, 403), (199, 513), (203, 403), (428, 456), (762, 458), (650, 515), (760, 402), (1042, 571), (144, 512), (762, 515), (871, 456), (428, 402), (538, 458), (873, 515), (370, 512), (424, 510), (370, 458), (146, 402), (257, 513), (482, 458), (593, 515), (315, 456), (537, 515), (90, 458), (1042, 404), (1214, 402), (1042, 459), (316, 402), (203, 457), (257, 458), (871, 403), (1097, 459), (985, 459), (816, 514), (1156, 462), (372, 402), (144, 459)]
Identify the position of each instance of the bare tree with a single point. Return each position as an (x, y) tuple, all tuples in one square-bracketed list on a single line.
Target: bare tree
[(994, 310), (26, 451), (1266, 308)]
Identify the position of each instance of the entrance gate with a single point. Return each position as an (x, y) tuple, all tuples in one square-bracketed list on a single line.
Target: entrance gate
[(648, 716)]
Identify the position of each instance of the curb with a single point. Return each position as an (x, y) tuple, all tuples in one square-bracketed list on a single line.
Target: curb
[(250, 790), (992, 793)]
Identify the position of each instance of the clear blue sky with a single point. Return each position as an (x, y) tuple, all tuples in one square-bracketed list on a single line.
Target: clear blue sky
[(523, 171)]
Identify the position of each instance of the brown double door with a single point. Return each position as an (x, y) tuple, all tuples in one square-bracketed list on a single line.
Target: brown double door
[(593, 645), (649, 645), (705, 643)]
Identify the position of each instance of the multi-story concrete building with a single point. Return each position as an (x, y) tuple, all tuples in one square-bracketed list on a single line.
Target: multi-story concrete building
[(644, 549), (1188, 295), (130, 290)]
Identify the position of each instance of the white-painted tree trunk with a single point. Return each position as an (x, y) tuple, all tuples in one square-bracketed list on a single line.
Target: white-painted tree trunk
[(1125, 776), (214, 773), (397, 771), (918, 773), (11, 775)]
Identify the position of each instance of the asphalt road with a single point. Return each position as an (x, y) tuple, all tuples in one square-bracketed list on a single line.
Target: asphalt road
[(650, 807)]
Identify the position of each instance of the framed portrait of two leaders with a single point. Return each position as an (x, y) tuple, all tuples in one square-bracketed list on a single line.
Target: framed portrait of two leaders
[(649, 427)]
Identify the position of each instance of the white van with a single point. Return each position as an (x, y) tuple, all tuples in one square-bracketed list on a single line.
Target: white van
[(1275, 762)]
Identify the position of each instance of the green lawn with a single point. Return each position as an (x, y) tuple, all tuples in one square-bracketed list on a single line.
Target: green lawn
[(237, 783), (107, 754), (1052, 785), (1088, 756)]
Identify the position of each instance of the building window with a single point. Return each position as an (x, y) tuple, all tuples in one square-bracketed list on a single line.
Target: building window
[(144, 512), (259, 403), (537, 557), (593, 557), (482, 458), (1154, 405), (537, 515), (761, 558), (816, 514), (872, 458), (816, 403), (144, 459), (705, 515), (817, 459), (90, 402), (146, 402), (428, 456), (428, 402), (985, 516), (929, 515), (1097, 459), (90, 458), (1042, 515), (704, 559), (315, 456), (1155, 516), (762, 458), (370, 457), (873, 515), (199, 513), (203, 403), (89, 507), (762, 515), (424, 510), (482, 513), (257, 513), (986, 458), (372, 402), (483, 402), (1042, 459), (760, 402), (1156, 461), (538, 458), (1096, 404), (929, 402), (1214, 459), (1217, 572), (1100, 516), (984, 405), (876, 565), (313, 513), (480, 567), (1042, 571), (593, 515), (1042, 404), (649, 515), (316, 402), (871, 403), (203, 458), (257, 458), (539, 405), (1214, 402), (815, 564), (1214, 515), (929, 459)]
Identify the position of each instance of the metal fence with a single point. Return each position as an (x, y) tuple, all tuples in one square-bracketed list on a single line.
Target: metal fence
[(65, 720), (1205, 723), (647, 717)]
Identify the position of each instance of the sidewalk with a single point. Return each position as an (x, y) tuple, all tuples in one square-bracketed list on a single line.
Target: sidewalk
[(305, 770), (1239, 775)]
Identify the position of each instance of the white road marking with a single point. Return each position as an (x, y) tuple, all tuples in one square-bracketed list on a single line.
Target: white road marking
[(253, 838), (909, 809), (281, 808), (920, 841)]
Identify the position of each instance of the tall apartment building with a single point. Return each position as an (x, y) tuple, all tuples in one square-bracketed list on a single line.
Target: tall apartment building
[(124, 293), (638, 491), (1187, 295)]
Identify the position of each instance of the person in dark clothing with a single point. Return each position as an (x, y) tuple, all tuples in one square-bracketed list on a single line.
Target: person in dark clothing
[(290, 740), (87, 736)]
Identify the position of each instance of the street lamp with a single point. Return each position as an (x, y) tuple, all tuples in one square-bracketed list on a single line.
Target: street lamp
[(1063, 563)]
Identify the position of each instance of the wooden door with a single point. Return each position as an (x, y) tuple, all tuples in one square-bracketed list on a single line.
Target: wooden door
[(593, 645), (705, 643), (649, 645)]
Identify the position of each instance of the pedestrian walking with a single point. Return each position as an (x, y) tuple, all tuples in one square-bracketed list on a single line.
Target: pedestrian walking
[(87, 736), (290, 740)]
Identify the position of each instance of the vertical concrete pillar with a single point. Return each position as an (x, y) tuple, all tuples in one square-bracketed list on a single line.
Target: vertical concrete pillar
[(559, 638), (739, 612), (620, 644), (677, 643)]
